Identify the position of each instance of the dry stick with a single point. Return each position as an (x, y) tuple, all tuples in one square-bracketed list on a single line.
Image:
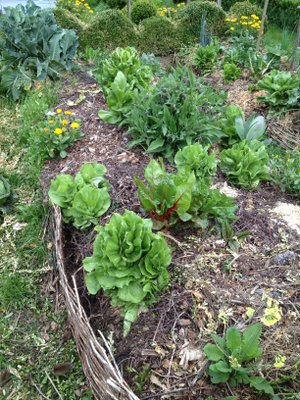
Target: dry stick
[(52, 383), (296, 44), (129, 9), (39, 390), (261, 30)]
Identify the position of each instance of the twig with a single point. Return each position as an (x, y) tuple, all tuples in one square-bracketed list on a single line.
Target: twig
[(52, 383), (39, 390)]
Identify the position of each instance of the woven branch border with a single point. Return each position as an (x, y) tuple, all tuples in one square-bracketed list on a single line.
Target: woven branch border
[(97, 359)]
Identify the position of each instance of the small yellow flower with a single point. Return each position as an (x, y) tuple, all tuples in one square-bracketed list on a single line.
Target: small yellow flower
[(64, 122), (50, 121), (59, 111), (250, 312), (75, 125), (272, 313), (232, 28), (234, 20), (58, 131), (279, 361), (68, 112)]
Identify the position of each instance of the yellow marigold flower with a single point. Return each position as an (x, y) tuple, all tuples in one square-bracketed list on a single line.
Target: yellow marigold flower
[(59, 111), (50, 121), (58, 131), (68, 112), (46, 129), (234, 20), (64, 122), (232, 28), (253, 16), (227, 19), (75, 125), (244, 17), (91, 11), (279, 361)]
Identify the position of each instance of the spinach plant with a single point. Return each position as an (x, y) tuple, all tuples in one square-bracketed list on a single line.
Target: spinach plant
[(282, 89), (231, 355), (178, 111), (32, 48), (129, 263), (246, 163), (83, 199)]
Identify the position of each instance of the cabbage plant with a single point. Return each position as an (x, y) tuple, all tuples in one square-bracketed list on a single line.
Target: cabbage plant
[(129, 263), (32, 48)]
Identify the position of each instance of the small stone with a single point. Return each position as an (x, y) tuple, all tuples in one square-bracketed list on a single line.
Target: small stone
[(284, 258), (184, 322)]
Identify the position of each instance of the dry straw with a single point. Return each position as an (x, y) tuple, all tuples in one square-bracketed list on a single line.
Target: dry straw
[(97, 360)]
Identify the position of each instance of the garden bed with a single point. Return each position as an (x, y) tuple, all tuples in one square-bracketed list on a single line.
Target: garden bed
[(211, 286)]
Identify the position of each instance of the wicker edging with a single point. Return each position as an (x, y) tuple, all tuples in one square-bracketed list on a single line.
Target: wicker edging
[(97, 359)]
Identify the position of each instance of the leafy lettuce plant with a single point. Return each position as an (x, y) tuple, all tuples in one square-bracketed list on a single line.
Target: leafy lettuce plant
[(32, 48), (83, 199), (230, 356), (4, 190), (231, 72), (195, 158), (176, 112), (129, 263), (282, 89), (246, 163)]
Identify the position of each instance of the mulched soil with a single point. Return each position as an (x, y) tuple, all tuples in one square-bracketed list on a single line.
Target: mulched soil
[(212, 284)]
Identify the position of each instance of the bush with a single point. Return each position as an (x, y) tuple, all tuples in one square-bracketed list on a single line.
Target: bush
[(32, 48), (116, 3), (142, 10), (245, 8), (108, 30), (231, 72), (283, 12), (67, 20), (190, 19), (159, 36)]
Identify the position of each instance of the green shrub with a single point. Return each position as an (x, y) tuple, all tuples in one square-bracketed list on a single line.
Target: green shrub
[(116, 3), (129, 263), (108, 30), (283, 12), (245, 8), (142, 10), (190, 19), (231, 72), (32, 48), (159, 35), (68, 20), (205, 57), (245, 163)]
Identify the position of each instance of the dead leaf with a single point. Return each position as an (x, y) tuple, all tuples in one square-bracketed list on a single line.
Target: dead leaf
[(62, 369), (189, 353), (184, 322), (5, 377), (154, 379)]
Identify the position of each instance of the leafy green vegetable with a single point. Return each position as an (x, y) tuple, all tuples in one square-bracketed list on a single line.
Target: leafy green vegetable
[(229, 354), (4, 190), (129, 263), (205, 57), (231, 72), (228, 124), (251, 129), (195, 158), (245, 163), (282, 89), (179, 110), (32, 48), (83, 199)]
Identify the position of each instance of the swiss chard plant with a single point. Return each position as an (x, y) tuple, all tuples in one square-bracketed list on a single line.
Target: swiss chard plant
[(246, 163), (282, 89), (5, 191), (178, 111), (232, 358), (32, 48), (83, 199), (129, 263), (195, 158)]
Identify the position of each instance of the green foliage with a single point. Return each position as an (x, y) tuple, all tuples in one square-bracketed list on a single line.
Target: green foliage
[(129, 63), (191, 15), (177, 111), (116, 3), (121, 75), (5, 191), (283, 13), (153, 63), (68, 20), (83, 199), (108, 30), (240, 48), (230, 355), (285, 170), (253, 128), (245, 163), (159, 35), (129, 263), (195, 158), (231, 72), (142, 10), (171, 197), (206, 57), (228, 124), (245, 8), (282, 89), (261, 63), (14, 290), (32, 48)]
